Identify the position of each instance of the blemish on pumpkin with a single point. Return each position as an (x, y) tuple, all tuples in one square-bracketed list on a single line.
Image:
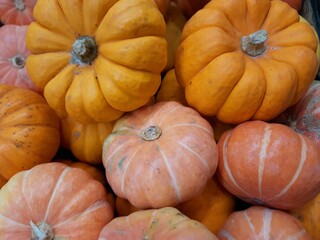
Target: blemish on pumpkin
[(120, 164)]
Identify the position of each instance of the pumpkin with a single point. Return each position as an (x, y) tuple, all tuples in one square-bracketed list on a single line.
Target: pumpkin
[(258, 222), (17, 12), (296, 4), (190, 7), (156, 224), (53, 201), (255, 155), (79, 45), (175, 21), (309, 215), (241, 60), (163, 6), (29, 130), (160, 155), (13, 54), (85, 140), (170, 90)]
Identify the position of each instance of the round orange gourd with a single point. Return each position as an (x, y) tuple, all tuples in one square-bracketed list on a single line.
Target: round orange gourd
[(269, 164), (96, 59), (85, 140), (262, 223), (53, 201), (156, 224), (170, 90), (241, 60), (309, 215), (13, 54), (160, 155), (17, 12), (29, 131)]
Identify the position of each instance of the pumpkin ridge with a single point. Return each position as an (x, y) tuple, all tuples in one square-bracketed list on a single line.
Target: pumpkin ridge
[(249, 221), (12, 222), (267, 222)]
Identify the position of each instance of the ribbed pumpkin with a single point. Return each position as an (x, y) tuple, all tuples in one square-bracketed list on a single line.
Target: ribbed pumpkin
[(13, 54), (242, 59), (96, 59), (53, 201), (160, 155), (156, 224), (262, 223), (17, 12), (29, 131), (269, 164), (85, 140), (309, 215)]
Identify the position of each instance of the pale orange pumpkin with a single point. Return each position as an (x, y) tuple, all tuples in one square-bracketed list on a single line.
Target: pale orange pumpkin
[(29, 131), (156, 224), (269, 164), (17, 12), (53, 201), (262, 223), (241, 60), (13, 54), (160, 155)]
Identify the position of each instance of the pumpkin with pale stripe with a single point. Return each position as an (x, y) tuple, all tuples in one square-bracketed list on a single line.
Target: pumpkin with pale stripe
[(269, 164), (160, 155), (261, 223), (53, 201)]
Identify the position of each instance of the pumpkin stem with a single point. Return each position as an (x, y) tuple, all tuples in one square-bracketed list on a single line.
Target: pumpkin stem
[(84, 50), (41, 231), (18, 61), (151, 133), (20, 5), (253, 44)]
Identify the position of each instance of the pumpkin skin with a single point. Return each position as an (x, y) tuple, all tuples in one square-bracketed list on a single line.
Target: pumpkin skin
[(17, 12), (309, 215), (13, 54), (85, 140), (163, 6), (226, 76), (68, 200), (29, 130), (262, 223), (72, 52), (155, 224), (296, 4), (255, 155), (190, 7), (166, 142)]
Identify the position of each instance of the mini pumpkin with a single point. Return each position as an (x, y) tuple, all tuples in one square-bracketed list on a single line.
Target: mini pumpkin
[(96, 59), (17, 12), (160, 155), (156, 224), (241, 60), (85, 140), (13, 54), (262, 223), (29, 130), (269, 164), (53, 201)]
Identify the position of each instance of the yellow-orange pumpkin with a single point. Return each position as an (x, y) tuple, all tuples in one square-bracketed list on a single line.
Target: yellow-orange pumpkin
[(242, 59), (29, 131), (160, 155), (96, 59)]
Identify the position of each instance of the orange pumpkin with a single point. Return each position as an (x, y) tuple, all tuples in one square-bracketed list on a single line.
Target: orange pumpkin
[(296, 4), (29, 130), (269, 164), (85, 140), (80, 45), (262, 223), (13, 54), (190, 7), (163, 6), (309, 215), (160, 155), (53, 201), (17, 12), (156, 224), (241, 60)]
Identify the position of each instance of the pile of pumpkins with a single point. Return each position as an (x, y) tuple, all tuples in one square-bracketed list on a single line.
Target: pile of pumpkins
[(158, 119)]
